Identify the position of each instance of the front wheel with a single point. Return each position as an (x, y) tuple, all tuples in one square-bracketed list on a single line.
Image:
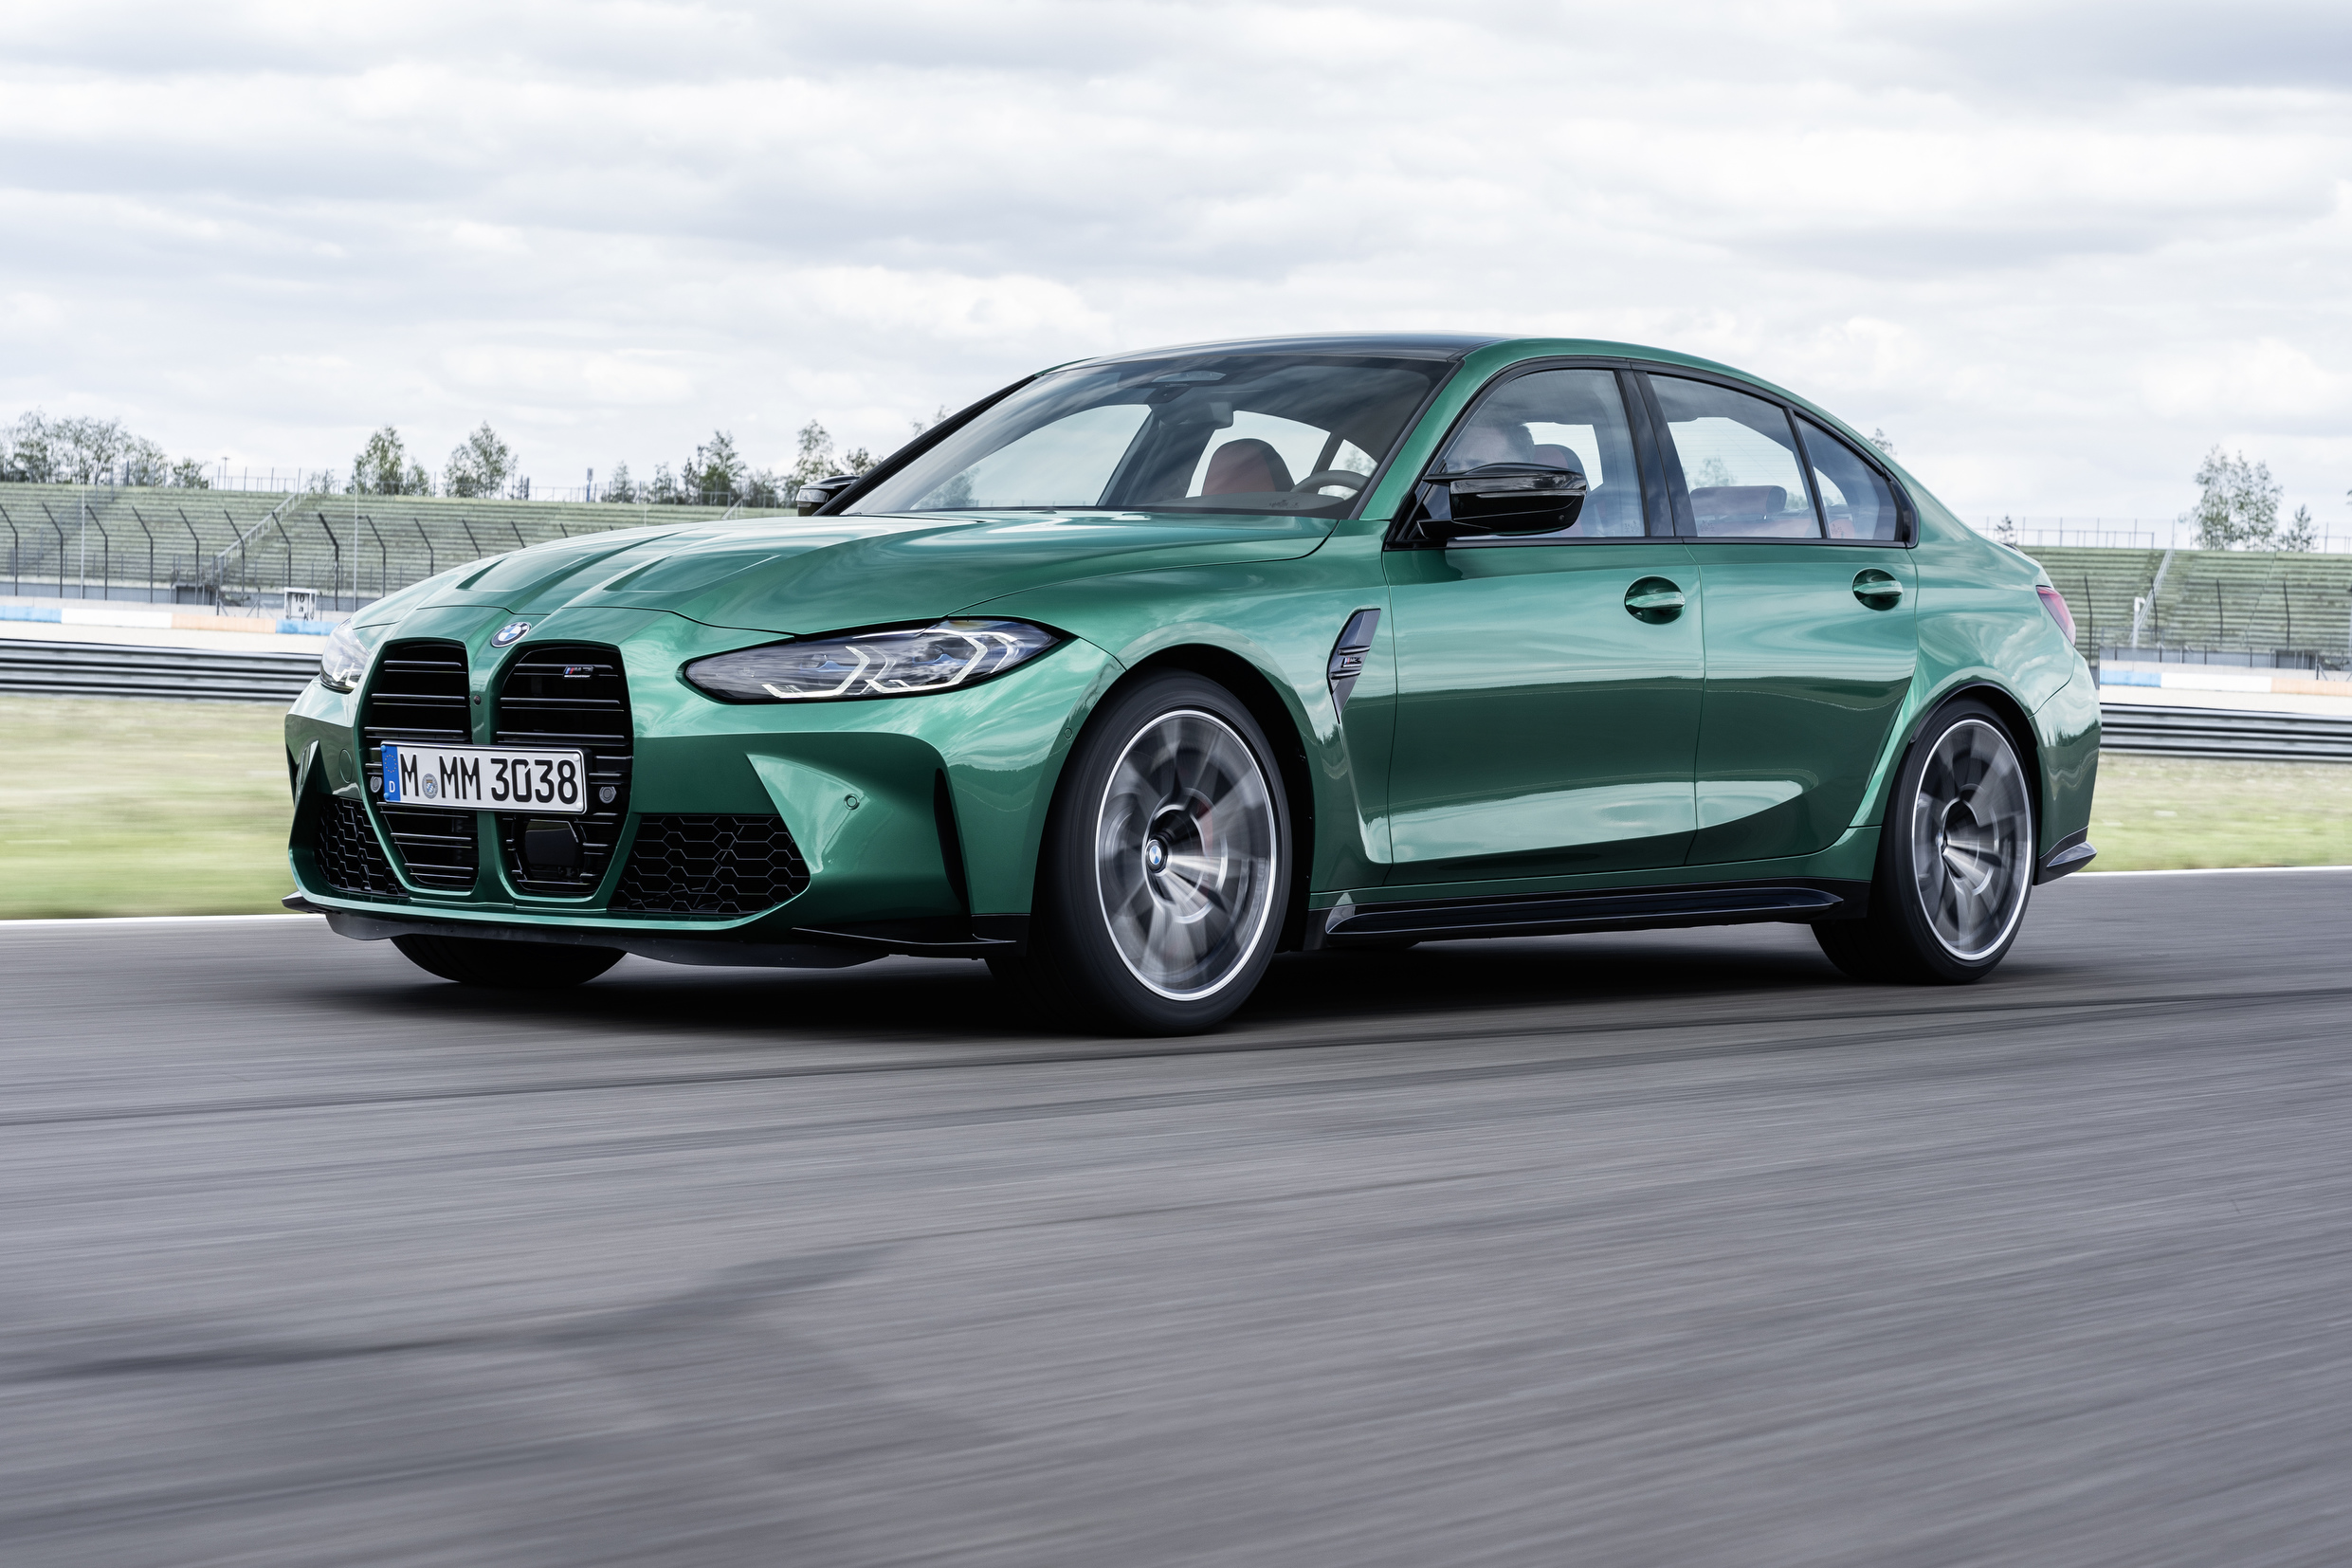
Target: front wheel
[(507, 965), (1954, 859), (1166, 861)]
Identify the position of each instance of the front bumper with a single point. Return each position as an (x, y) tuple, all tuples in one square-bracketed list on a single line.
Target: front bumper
[(917, 818)]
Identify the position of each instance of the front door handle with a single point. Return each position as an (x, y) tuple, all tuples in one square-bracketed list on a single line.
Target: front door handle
[(1654, 600), (1877, 588)]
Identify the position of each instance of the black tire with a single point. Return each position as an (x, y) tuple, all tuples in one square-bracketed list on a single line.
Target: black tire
[(1956, 858), (1167, 934), (505, 966)]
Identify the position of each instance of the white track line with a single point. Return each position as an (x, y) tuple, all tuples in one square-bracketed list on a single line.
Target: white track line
[(151, 920), (2214, 871)]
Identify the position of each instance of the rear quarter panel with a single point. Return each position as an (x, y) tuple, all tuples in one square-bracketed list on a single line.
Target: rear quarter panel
[(1981, 623)]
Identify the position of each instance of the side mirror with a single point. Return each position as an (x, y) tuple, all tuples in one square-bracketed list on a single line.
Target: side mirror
[(1504, 498), (809, 496)]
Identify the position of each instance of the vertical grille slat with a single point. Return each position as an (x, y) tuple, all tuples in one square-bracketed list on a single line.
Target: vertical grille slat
[(567, 694), (419, 695), (709, 866)]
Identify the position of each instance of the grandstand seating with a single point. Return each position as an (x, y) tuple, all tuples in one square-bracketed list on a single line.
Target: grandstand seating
[(247, 547), (2218, 599)]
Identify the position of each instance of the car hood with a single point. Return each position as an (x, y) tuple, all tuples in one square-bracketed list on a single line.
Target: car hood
[(807, 575)]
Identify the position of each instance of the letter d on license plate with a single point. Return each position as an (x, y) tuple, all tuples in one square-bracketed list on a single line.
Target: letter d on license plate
[(485, 778)]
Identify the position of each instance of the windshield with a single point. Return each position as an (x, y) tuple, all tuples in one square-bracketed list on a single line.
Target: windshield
[(1217, 432)]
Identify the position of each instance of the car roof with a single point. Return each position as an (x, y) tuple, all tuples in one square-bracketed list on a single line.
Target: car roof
[(1413, 345), (1453, 346)]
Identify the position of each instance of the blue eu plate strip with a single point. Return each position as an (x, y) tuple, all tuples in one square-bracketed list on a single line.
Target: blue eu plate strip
[(392, 773)]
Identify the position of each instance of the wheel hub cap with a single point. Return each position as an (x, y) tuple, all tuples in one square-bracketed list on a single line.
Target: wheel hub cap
[(1185, 854), (1972, 839)]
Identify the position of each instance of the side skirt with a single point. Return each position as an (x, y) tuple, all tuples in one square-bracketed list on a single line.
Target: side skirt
[(1552, 914)]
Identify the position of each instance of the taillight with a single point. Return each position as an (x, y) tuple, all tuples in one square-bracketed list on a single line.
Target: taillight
[(2054, 602)]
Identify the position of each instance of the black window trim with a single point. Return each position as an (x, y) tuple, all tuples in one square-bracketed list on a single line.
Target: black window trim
[(1678, 484), (1404, 532)]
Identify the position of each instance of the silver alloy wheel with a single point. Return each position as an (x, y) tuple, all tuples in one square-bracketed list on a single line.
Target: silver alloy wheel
[(1972, 839), (1184, 854)]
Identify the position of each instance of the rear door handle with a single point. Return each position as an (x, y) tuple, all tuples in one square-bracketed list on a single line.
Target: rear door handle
[(1877, 588), (1654, 600)]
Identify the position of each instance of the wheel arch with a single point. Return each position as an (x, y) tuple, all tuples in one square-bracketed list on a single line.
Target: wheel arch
[(2005, 706), (1259, 693)]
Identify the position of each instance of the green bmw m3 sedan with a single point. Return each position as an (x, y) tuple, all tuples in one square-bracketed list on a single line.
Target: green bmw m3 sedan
[(1146, 669)]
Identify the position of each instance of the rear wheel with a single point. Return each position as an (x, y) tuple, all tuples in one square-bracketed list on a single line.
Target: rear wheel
[(1954, 859), (1161, 880), (505, 966)]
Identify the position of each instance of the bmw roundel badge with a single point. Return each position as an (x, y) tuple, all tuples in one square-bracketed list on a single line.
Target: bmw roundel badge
[(509, 632)]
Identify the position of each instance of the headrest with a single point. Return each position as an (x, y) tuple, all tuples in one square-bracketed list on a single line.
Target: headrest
[(1246, 467)]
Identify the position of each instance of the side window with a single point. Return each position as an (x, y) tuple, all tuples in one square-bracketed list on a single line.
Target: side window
[(1740, 462), (1856, 502), (1560, 419)]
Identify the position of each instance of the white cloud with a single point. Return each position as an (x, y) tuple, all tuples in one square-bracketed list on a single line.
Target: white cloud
[(2056, 251), (2269, 383)]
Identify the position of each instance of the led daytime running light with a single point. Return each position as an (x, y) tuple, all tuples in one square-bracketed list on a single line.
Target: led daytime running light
[(894, 661)]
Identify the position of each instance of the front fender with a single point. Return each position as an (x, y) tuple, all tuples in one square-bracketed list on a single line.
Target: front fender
[(1280, 619)]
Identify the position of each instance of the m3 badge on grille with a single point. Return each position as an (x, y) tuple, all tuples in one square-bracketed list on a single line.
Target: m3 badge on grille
[(510, 632)]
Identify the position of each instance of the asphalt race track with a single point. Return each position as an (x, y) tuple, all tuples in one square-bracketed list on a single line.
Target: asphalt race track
[(1668, 1248)]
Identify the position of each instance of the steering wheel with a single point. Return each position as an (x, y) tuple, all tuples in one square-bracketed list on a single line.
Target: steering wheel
[(1315, 482)]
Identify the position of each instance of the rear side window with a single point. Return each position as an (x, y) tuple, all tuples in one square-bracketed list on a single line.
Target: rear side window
[(1856, 502), (1740, 462)]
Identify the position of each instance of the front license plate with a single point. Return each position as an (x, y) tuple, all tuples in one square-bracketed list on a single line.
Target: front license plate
[(486, 778)]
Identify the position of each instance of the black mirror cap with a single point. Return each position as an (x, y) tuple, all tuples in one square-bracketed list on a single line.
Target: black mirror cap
[(1503, 497), (809, 496)]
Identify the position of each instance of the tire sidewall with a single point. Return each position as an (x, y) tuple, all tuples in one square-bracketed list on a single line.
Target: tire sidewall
[(1898, 891), (1071, 948)]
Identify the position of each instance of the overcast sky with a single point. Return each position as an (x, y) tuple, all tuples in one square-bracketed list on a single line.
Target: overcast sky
[(2055, 250)]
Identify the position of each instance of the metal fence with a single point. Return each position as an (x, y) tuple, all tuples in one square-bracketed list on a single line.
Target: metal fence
[(2031, 534), (233, 549), (323, 482), (108, 669)]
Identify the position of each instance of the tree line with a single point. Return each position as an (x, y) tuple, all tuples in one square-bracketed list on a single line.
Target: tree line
[(716, 475), (83, 451), (86, 451), (2238, 507)]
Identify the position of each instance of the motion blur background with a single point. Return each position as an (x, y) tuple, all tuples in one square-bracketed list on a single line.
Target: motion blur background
[(2055, 250)]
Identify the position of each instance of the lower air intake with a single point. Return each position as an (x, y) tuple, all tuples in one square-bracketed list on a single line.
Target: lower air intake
[(712, 866), (350, 859)]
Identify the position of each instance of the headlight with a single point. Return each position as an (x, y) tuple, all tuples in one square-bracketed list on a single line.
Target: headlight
[(896, 663), (344, 661)]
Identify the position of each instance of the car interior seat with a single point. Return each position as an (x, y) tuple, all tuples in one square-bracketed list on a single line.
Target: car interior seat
[(1245, 467), (1760, 511)]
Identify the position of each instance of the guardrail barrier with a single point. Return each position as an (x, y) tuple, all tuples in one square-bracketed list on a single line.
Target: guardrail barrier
[(2222, 733)]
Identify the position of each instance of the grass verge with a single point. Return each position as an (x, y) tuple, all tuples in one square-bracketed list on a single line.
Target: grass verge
[(132, 807), (2160, 814)]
